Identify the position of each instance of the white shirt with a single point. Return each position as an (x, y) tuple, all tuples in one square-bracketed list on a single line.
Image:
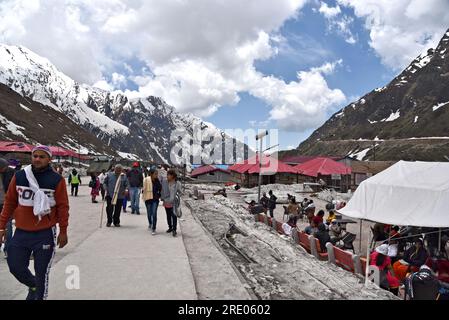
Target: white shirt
[(287, 229), (392, 250), (101, 177)]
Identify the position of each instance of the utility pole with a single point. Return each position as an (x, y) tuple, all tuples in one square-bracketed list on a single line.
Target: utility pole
[(260, 137)]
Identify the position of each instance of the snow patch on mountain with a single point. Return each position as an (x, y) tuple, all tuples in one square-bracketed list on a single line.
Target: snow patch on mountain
[(12, 127), (393, 116), (438, 106)]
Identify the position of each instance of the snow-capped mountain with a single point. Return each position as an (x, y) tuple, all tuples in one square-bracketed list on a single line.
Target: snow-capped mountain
[(139, 128), (407, 119)]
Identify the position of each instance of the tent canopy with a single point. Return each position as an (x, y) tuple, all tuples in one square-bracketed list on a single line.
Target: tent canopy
[(322, 166), (407, 194), (270, 165)]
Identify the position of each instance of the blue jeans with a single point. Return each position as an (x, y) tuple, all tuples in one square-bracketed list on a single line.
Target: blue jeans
[(152, 206), (134, 193)]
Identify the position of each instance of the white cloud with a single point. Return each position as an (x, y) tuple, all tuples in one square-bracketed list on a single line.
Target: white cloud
[(338, 21), (197, 60), (401, 30), (329, 12), (301, 105)]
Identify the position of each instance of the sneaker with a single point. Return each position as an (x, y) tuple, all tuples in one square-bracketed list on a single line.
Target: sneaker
[(132, 212), (174, 233), (138, 212), (5, 254), (31, 294), (95, 201), (108, 225), (153, 233), (169, 230), (117, 225)]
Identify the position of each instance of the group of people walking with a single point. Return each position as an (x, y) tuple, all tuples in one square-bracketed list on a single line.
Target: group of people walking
[(118, 185)]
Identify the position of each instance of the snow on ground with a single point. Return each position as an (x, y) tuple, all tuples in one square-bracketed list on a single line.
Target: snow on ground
[(126, 155), (329, 195), (279, 268), (24, 107), (393, 116), (361, 154), (12, 127), (438, 106)]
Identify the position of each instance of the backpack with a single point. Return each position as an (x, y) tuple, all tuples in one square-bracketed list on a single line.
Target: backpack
[(422, 285), (92, 183)]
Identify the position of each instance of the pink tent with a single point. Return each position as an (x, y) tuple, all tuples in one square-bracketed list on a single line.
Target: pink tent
[(322, 166)]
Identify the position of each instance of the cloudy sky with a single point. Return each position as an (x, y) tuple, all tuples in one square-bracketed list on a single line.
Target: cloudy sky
[(286, 64)]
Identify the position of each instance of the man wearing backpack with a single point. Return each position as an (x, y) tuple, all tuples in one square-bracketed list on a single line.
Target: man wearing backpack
[(422, 285)]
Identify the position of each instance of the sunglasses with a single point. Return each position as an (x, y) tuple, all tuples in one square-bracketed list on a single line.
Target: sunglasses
[(35, 156)]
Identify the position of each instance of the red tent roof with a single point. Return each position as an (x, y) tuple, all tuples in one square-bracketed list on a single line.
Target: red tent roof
[(206, 169), (303, 159), (270, 165), (13, 146), (322, 166)]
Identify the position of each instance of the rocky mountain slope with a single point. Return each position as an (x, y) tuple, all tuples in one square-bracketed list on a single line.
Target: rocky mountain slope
[(139, 128), (407, 119)]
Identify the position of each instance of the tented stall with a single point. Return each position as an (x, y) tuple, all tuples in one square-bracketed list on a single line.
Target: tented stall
[(407, 194)]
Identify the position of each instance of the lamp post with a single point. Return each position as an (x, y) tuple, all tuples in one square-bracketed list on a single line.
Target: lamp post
[(260, 137)]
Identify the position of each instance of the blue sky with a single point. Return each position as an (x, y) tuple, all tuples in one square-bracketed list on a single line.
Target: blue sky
[(361, 70)]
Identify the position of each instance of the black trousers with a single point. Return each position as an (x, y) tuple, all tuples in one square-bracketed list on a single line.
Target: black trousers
[(103, 191), (172, 219), (75, 189), (113, 211)]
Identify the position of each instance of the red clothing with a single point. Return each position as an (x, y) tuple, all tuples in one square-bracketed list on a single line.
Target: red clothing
[(442, 268), (96, 189), (393, 282), (317, 220), (18, 202)]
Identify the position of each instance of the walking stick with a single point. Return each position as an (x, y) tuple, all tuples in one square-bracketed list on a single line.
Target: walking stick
[(101, 216)]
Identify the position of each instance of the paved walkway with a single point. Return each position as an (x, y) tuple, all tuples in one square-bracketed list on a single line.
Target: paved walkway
[(114, 263)]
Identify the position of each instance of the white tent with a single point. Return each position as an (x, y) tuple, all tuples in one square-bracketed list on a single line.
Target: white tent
[(407, 193)]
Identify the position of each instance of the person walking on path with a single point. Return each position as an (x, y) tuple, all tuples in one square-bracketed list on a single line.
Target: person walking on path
[(170, 188), (6, 175), (272, 203), (36, 213), (94, 184), (101, 177), (116, 185), (74, 181), (151, 194), (135, 178)]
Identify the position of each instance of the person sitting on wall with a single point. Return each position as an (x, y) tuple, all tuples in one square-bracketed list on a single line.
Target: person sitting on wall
[(323, 236), (413, 259), (311, 228), (332, 216), (290, 225), (382, 261), (335, 231)]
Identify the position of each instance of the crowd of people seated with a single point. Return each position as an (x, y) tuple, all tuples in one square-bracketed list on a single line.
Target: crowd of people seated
[(402, 257), (422, 269)]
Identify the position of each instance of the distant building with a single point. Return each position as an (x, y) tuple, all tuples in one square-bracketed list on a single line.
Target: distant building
[(334, 174), (211, 173), (273, 171), (362, 170)]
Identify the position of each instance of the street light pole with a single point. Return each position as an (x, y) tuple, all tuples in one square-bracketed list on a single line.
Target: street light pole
[(259, 137)]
